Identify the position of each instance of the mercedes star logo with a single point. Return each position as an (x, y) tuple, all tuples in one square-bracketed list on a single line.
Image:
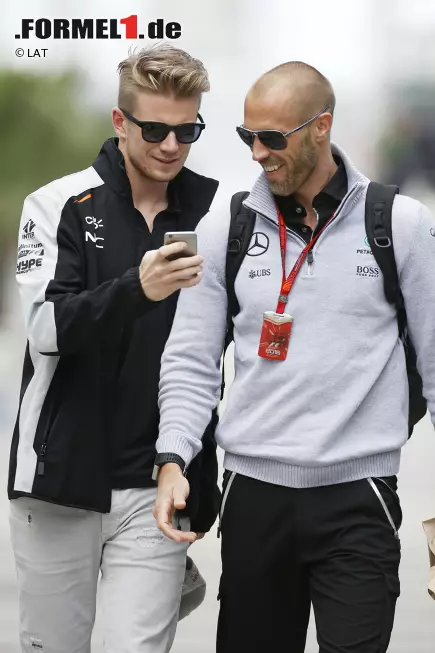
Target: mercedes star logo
[(259, 244)]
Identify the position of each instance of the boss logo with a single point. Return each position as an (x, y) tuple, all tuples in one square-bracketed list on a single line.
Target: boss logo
[(367, 271)]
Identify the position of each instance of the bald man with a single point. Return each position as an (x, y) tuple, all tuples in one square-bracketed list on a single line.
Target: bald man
[(318, 410)]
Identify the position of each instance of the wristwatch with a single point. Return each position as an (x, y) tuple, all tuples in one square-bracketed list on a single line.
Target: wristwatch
[(165, 458)]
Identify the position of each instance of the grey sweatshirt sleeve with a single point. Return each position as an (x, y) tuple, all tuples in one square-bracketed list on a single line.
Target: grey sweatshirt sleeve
[(190, 375), (417, 281)]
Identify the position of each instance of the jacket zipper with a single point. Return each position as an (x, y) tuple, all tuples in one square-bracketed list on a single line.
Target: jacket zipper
[(310, 255), (311, 258), (41, 463), (310, 262)]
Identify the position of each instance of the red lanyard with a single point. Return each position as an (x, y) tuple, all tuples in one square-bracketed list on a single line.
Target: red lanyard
[(287, 283)]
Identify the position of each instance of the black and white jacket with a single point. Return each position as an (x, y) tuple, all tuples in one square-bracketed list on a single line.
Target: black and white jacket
[(78, 274)]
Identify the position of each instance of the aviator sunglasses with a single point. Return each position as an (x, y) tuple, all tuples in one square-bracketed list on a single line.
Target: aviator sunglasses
[(272, 138), (157, 132)]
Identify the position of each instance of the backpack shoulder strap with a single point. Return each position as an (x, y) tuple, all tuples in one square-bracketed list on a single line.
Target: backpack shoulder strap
[(378, 219), (378, 223), (239, 236)]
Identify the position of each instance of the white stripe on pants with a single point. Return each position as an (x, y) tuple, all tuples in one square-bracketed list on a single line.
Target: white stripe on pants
[(59, 553)]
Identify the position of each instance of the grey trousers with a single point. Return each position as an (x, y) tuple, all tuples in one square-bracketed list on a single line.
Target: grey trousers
[(59, 554)]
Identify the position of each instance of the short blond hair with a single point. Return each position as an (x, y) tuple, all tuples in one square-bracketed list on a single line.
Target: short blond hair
[(161, 68)]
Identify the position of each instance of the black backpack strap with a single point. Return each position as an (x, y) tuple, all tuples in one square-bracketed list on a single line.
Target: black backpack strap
[(378, 218), (239, 236)]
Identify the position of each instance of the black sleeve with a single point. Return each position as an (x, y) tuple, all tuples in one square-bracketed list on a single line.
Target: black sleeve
[(61, 316)]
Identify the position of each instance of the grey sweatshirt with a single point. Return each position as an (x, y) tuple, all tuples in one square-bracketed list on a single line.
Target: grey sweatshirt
[(336, 409)]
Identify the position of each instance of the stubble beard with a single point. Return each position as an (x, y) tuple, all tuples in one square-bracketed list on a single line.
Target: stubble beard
[(303, 168)]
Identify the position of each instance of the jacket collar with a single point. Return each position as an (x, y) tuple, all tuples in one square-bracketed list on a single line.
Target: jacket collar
[(261, 199), (191, 193)]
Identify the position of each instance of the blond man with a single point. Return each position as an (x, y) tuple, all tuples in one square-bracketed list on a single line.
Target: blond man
[(99, 292)]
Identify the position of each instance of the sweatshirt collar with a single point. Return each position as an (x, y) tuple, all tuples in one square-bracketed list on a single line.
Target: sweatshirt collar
[(261, 199)]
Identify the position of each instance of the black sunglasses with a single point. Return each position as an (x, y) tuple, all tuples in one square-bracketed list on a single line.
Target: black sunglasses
[(272, 138), (156, 132)]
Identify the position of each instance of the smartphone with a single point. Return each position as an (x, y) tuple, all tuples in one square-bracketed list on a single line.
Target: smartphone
[(188, 237)]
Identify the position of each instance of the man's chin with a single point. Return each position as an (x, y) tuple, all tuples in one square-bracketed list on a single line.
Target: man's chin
[(163, 175), (281, 189)]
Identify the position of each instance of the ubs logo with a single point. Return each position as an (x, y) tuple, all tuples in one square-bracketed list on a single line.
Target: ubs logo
[(259, 244), (259, 273)]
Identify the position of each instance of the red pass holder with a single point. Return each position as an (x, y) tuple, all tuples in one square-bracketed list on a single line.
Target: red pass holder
[(275, 335), (277, 325)]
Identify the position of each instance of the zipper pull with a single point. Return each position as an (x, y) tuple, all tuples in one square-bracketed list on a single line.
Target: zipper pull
[(310, 257), (219, 531), (41, 464)]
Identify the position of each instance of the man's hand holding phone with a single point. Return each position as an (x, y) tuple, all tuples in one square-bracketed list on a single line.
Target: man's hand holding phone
[(161, 277)]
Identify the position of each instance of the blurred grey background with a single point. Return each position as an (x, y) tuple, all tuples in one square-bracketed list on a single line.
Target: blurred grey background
[(55, 113)]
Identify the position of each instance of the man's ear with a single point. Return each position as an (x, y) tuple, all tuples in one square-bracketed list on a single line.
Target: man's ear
[(323, 126), (118, 120)]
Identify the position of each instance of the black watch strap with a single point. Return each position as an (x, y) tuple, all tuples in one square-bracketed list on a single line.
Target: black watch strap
[(165, 458)]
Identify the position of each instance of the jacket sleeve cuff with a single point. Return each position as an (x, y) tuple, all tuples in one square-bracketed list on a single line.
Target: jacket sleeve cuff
[(178, 444), (142, 303)]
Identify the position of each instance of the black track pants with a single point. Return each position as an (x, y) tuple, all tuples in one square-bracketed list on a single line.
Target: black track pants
[(284, 549)]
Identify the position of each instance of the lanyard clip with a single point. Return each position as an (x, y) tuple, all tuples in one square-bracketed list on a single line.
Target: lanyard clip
[(283, 299)]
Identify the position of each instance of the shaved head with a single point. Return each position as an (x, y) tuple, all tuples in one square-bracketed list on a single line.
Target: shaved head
[(303, 88), (298, 101)]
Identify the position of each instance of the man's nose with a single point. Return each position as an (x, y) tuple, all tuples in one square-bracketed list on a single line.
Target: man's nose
[(170, 144), (259, 151)]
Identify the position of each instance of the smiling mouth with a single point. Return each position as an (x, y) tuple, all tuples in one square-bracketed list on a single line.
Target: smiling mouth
[(167, 162), (270, 169)]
